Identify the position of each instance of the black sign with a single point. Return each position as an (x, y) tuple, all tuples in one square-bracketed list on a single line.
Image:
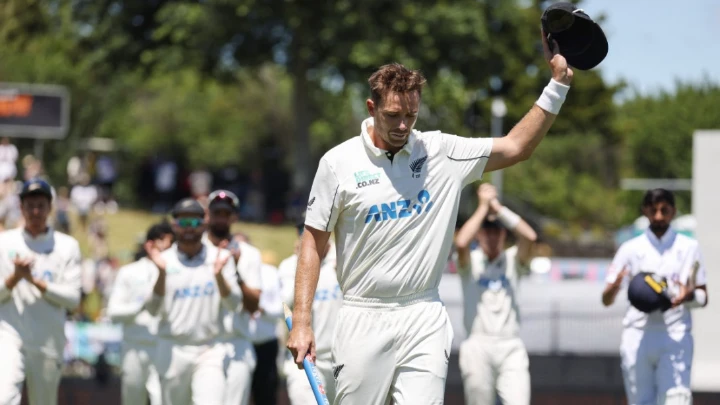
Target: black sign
[(34, 111)]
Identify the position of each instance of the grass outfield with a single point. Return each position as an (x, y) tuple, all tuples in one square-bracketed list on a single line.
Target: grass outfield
[(126, 227)]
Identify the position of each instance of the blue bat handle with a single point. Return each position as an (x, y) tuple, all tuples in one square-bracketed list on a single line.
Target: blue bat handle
[(312, 375)]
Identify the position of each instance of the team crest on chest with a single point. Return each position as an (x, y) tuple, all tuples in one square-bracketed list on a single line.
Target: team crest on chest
[(417, 165)]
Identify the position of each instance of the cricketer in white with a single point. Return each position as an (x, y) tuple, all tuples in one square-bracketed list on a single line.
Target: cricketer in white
[(657, 348), (194, 280), (133, 285), (41, 272), (325, 309), (235, 334), (493, 358), (391, 196)]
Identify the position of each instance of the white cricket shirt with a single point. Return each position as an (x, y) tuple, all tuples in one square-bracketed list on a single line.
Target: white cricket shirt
[(673, 257), (489, 294), (37, 321), (327, 301), (237, 321), (132, 288), (393, 218), (190, 312)]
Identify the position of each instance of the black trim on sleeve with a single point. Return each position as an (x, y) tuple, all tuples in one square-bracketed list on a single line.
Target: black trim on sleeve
[(332, 206), (468, 159)]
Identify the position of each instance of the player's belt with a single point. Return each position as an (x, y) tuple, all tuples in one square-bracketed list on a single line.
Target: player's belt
[(392, 302)]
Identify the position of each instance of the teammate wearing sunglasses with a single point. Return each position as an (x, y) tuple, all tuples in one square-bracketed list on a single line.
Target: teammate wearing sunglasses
[(222, 211), (194, 280)]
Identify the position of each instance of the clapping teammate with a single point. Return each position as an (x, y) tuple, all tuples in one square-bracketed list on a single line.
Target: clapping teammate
[(493, 358), (194, 280), (40, 271), (133, 284), (242, 360)]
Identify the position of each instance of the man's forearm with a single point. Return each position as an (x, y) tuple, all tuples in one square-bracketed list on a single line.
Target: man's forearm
[(306, 279), (223, 287), (159, 288), (530, 131), (470, 228)]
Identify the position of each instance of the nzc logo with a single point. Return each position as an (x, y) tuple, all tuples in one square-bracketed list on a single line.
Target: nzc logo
[(400, 209)]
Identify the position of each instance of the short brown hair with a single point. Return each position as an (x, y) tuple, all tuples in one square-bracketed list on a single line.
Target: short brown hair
[(394, 78)]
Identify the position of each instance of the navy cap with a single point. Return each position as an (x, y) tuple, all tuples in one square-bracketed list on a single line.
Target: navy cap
[(188, 206), (648, 292), (36, 187), (581, 40), (223, 199)]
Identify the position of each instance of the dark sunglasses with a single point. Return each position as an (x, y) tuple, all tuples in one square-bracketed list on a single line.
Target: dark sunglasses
[(189, 222)]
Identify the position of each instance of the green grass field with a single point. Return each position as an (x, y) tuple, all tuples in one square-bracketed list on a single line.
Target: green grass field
[(127, 227)]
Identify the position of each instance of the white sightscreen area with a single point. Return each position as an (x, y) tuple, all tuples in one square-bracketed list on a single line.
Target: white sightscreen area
[(706, 208)]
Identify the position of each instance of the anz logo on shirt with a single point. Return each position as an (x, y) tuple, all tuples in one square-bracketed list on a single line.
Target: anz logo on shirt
[(400, 209), (207, 290), (328, 294), (46, 275)]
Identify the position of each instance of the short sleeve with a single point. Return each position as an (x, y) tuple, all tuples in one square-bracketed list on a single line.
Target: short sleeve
[(620, 261), (323, 208), (470, 155), (694, 258)]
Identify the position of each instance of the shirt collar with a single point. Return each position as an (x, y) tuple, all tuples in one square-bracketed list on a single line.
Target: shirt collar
[(663, 243), (200, 257), (40, 238), (370, 146)]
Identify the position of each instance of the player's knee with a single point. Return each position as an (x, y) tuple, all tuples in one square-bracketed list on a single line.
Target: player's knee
[(677, 396)]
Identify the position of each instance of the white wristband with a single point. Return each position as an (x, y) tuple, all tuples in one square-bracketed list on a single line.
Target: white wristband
[(508, 218), (700, 299), (553, 97)]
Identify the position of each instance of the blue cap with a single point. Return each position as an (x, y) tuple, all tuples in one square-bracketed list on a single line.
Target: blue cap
[(648, 292), (36, 187)]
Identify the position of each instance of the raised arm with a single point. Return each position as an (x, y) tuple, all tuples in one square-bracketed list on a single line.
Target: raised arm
[(486, 193), (522, 140), (525, 235)]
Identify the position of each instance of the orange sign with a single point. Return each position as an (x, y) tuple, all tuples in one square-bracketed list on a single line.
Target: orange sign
[(19, 106)]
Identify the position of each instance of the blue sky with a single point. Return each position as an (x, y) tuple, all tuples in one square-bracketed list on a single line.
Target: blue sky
[(655, 42)]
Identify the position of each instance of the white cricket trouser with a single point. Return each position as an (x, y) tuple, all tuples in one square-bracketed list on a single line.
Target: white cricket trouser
[(41, 373), (491, 365), (240, 364), (298, 386), (140, 380), (392, 349), (191, 374), (656, 367)]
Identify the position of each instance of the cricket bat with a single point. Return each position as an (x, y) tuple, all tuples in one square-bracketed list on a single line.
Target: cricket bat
[(310, 370)]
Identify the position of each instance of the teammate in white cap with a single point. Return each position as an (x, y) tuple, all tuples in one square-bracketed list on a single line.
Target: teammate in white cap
[(242, 360), (391, 196), (133, 285), (493, 358), (40, 270), (194, 280), (657, 348), (325, 308)]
